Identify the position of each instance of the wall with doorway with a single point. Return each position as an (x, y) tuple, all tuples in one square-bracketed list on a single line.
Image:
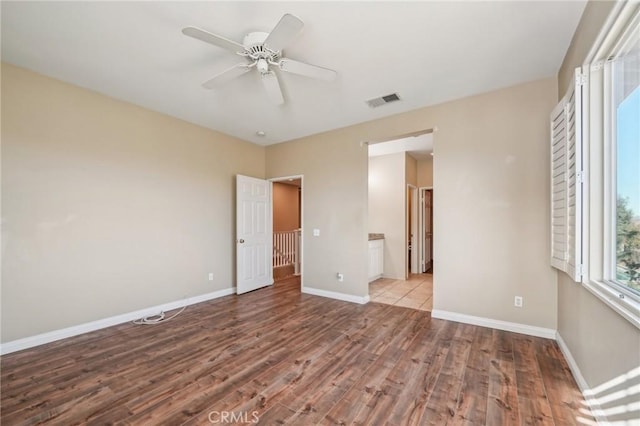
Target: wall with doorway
[(387, 189), (491, 214), (286, 207), (335, 203), (425, 173)]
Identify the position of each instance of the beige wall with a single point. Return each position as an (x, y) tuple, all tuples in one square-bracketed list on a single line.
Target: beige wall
[(425, 173), (334, 200), (107, 207), (604, 345), (491, 239), (387, 192), (286, 210)]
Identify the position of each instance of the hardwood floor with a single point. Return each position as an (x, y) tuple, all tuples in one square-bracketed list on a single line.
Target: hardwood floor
[(283, 357)]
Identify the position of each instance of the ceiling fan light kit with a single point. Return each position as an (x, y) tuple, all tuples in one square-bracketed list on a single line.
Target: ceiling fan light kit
[(263, 51)]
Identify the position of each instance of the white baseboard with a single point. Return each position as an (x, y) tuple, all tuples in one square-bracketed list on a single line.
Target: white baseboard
[(52, 336), (515, 327), (596, 410), (335, 295), (582, 383)]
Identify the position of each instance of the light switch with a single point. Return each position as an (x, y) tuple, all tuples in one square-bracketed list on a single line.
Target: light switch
[(316, 232)]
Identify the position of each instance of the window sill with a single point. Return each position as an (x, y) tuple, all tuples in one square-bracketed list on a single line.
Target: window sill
[(628, 308)]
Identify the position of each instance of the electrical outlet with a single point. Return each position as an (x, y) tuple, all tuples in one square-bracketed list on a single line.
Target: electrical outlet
[(210, 276), (340, 277), (518, 302)]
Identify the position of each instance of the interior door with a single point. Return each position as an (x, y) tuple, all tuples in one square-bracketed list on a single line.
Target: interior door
[(428, 233), (421, 230), (413, 230), (253, 234)]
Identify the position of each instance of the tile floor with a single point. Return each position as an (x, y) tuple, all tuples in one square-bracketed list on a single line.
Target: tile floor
[(416, 292)]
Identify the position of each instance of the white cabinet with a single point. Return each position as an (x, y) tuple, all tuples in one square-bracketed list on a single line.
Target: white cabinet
[(376, 259)]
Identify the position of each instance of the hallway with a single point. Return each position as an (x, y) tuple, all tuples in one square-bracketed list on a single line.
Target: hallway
[(416, 292)]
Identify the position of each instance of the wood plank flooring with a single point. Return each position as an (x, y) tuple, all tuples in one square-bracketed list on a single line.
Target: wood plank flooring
[(275, 356)]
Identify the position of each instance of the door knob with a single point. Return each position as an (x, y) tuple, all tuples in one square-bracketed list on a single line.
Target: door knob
[(241, 241)]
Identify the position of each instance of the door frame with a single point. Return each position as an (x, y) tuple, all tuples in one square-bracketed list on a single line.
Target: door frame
[(411, 226), (302, 261), (421, 218)]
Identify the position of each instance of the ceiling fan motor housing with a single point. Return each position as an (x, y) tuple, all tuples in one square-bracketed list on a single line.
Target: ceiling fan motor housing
[(255, 49)]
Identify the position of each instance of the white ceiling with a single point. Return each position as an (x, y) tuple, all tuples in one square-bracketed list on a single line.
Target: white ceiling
[(428, 52)]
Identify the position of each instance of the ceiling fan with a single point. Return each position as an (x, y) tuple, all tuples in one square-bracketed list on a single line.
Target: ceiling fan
[(263, 51)]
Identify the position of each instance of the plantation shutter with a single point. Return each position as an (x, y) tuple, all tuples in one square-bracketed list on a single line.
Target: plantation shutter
[(566, 182)]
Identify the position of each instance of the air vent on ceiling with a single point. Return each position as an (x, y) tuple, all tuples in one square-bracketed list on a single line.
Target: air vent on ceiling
[(376, 102)]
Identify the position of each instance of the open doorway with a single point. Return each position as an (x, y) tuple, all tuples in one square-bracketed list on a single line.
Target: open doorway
[(287, 229), (398, 169)]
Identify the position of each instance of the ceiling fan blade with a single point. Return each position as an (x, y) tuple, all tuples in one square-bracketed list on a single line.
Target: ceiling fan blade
[(225, 76), (271, 85), (308, 70), (283, 33), (216, 40)]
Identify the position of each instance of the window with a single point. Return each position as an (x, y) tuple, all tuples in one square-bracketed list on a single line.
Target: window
[(625, 155), (596, 178)]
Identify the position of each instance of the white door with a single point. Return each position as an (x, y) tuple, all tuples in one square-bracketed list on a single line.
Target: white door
[(413, 226), (428, 233), (253, 234)]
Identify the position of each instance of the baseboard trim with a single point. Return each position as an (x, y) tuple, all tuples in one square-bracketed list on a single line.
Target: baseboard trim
[(596, 409), (573, 365), (335, 295), (515, 327), (52, 336)]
